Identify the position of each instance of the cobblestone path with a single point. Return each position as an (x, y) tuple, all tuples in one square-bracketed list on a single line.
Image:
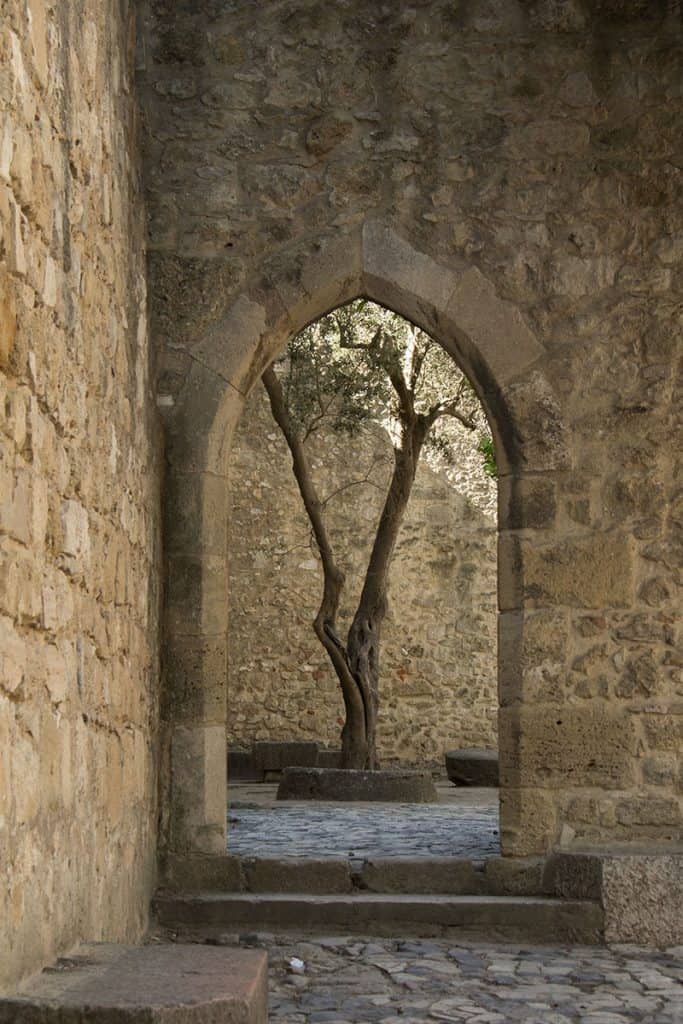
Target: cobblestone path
[(355, 981), (467, 829)]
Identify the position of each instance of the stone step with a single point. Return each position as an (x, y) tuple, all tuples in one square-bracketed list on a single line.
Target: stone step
[(179, 984), (455, 876), (515, 918)]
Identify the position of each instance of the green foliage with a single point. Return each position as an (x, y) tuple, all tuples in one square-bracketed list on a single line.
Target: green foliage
[(341, 372), (488, 451)]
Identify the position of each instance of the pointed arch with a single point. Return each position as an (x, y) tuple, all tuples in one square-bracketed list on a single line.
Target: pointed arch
[(496, 347)]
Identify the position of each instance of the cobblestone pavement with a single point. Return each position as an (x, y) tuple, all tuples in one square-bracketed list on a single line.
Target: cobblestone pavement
[(357, 981), (464, 824)]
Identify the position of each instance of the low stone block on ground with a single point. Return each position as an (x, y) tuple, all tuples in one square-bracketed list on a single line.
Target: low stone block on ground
[(350, 785), (471, 767), (110, 984)]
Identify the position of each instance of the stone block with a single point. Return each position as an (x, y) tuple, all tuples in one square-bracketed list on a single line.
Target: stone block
[(526, 503), (314, 278), (564, 746), (663, 731), (196, 679), (495, 327), (470, 767), (198, 790), (296, 874), (650, 810), (196, 873), (197, 600), (108, 984), (595, 571), (241, 767), (8, 318), (531, 420), (528, 822), (421, 875), (401, 277), (247, 338), (194, 513), (350, 785), (329, 759), (274, 756), (516, 876), (532, 654), (75, 539), (640, 890)]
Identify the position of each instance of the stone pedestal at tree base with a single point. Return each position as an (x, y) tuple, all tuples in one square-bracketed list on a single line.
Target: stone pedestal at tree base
[(470, 767), (408, 787), (108, 984)]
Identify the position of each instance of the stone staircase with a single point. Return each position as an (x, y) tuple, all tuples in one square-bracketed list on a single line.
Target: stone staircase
[(496, 900)]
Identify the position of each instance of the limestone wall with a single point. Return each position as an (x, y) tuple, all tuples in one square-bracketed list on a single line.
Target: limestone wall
[(78, 489), (438, 688), (508, 173)]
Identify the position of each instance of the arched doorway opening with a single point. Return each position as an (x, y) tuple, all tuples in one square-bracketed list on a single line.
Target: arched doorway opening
[(497, 350), (437, 672)]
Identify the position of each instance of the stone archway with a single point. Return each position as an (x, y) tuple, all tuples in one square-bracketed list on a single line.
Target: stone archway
[(498, 351)]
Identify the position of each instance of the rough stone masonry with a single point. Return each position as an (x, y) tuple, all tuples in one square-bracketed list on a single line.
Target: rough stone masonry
[(507, 174), (79, 497)]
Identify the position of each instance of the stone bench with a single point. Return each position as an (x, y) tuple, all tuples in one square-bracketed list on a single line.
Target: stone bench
[(408, 787), (267, 759), (472, 767)]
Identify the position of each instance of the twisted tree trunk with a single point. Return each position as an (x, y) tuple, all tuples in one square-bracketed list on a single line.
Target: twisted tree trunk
[(355, 663)]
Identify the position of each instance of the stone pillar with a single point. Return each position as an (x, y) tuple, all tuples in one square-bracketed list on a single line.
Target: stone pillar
[(195, 662)]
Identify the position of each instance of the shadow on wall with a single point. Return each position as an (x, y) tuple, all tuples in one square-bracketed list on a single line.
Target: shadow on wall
[(438, 688)]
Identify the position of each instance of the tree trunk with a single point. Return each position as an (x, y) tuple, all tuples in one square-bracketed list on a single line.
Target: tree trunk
[(356, 664), (364, 640)]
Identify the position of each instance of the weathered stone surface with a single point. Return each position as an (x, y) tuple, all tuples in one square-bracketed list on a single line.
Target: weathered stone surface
[(294, 874), (516, 876), (428, 875), (472, 767), (595, 745), (196, 873), (116, 984), (274, 756), (79, 490), (494, 139), (505, 204), (346, 784), (511, 918), (399, 978), (641, 890)]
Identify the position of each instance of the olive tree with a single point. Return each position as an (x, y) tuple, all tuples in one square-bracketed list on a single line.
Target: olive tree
[(364, 363)]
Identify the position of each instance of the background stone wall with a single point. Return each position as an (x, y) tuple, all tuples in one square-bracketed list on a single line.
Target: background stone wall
[(528, 154), (439, 681), (78, 487)]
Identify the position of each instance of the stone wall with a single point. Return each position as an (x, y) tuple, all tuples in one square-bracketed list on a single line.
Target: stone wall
[(508, 175), (78, 488), (439, 673)]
